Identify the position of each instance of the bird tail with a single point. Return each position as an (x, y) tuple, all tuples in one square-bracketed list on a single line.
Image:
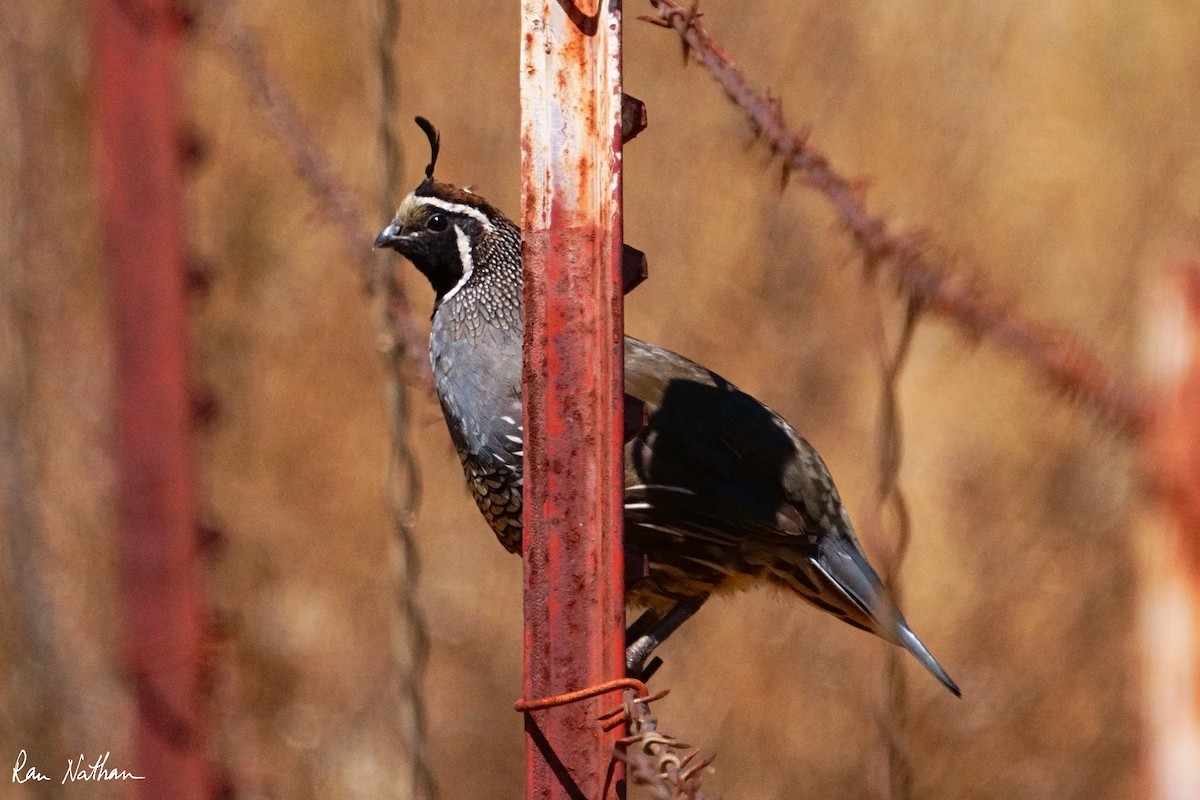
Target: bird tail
[(839, 580)]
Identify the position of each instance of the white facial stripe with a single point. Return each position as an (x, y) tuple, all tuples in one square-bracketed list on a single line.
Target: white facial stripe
[(464, 257), (456, 208)]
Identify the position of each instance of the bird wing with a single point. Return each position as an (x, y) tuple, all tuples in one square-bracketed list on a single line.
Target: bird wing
[(714, 456), (715, 469)]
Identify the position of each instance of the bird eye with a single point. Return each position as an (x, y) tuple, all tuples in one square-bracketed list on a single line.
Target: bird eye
[(438, 222)]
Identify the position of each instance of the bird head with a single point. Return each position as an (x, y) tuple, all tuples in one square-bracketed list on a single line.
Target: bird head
[(440, 227)]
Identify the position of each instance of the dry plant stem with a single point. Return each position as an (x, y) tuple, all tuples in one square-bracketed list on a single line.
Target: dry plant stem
[(1057, 354), (312, 165)]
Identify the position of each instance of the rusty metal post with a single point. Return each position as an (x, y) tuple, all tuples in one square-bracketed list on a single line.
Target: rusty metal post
[(137, 153), (1171, 550), (573, 380)]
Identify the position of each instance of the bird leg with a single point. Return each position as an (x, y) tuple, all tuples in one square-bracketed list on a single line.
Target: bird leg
[(638, 651), (640, 626)]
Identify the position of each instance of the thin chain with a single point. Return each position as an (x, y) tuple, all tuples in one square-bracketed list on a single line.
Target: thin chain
[(890, 496), (411, 639)]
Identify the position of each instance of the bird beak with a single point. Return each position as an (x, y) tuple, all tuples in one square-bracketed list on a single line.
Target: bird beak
[(389, 236)]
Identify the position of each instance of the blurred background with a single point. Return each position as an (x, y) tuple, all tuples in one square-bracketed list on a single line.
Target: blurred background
[(1049, 150)]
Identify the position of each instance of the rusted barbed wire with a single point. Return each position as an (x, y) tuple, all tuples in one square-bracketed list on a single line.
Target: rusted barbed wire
[(312, 165), (669, 768), (1055, 353), (401, 342)]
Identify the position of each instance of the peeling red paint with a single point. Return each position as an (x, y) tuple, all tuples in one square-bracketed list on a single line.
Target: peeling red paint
[(574, 419)]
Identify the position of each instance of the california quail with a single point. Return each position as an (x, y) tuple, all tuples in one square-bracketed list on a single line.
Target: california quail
[(720, 492)]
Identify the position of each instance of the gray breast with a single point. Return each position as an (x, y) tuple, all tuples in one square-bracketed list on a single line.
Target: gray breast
[(477, 373)]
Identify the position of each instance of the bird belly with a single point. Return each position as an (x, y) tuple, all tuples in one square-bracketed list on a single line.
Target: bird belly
[(679, 567), (497, 494)]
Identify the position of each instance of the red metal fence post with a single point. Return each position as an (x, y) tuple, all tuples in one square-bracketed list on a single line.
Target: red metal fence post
[(574, 376), (138, 172), (1171, 575)]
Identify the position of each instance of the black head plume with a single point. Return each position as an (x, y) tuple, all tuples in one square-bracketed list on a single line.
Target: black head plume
[(434, 143)]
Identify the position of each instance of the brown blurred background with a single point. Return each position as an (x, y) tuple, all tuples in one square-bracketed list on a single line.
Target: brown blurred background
[(1051, 150)]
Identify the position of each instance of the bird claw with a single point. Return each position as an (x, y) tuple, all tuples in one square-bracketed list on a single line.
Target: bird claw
[(638, 663), (647, 633)]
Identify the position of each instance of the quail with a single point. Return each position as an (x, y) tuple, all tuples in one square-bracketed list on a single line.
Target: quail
[(721, 493)]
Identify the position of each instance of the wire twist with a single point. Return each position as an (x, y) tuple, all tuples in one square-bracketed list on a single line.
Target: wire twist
[(411, 643), (889, 496)]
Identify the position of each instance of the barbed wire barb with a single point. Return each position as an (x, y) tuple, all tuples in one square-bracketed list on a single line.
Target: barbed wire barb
[(669, 768)]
